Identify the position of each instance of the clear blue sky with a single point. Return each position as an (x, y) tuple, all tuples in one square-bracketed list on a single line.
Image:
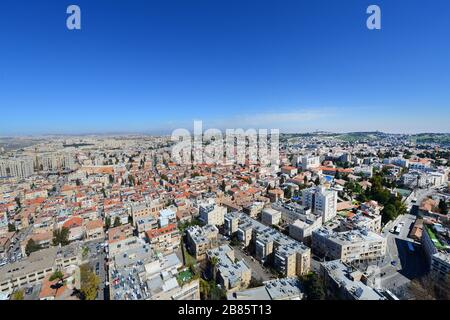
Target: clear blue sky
[(155, 65)]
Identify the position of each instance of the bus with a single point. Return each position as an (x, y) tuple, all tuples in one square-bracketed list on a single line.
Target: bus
[(410, 247)]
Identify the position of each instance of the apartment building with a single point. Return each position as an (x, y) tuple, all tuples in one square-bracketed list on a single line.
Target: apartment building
[(55, 161), (436, 245), (144, 224), (349, 246), (291, 212), (34, 268), (254, 209), (200, 239), (140, 274), (322, 202), (212, 214), (165, 239), (231, 274), (120, 238), (440, 266), (270, 217), (145, 209), (166, 217), (16, 167), (288, 256), (276, 289), (94, 230), (361, 220), (302, 228), (347, 283), (309, 162)]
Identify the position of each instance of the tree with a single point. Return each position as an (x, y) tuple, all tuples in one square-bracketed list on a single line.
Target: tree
[(204, 289), (89, 283), (17, 199), (18, 295), (61, 236), (313, 285), (11, 227), (117, 222), (287, 193), (443, 207), (31, 247), (78, 182), (132, 180), (389, 213), (317, 181), (107, 222), (57, 275)]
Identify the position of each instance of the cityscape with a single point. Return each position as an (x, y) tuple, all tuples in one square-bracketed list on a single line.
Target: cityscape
[(233, 151), (358, 216)]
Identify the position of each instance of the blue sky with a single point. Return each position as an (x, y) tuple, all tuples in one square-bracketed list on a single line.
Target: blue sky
[(155, 65)]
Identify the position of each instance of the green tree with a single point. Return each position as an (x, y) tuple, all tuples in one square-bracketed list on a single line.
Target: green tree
[(132, 180), (61, 236), (117, 222), (443, 207), (287, 193), (313, 285), (223, 186), (31, 247), (107, 222), (389, 212), (89, 283), (11, 227), (17, 200), (18, 295), (57, 275)]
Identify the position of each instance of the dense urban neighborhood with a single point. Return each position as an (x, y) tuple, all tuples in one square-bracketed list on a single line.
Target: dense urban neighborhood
[(357, 216)]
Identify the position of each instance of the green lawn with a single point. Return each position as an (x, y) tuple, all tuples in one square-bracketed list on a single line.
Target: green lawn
[(184, 276), (433, 238)]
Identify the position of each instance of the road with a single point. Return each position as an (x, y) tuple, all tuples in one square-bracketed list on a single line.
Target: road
[(97, 256), (400, 265), (258, 271), (15, 249)]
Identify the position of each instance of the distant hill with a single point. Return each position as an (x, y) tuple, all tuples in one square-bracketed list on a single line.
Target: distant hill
[(439, 138)]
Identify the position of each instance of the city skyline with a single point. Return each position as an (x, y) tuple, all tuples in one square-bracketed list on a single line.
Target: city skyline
[(154, 67)]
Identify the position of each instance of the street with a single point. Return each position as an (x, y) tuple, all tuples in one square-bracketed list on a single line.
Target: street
[(14, 253), (401, 265), (96, 256)]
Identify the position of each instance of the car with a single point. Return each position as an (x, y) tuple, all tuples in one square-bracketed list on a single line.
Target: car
[(394, 263)]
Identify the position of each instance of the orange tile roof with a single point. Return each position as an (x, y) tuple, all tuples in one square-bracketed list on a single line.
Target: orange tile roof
[(157, 232), (73, 222), (95, 224)]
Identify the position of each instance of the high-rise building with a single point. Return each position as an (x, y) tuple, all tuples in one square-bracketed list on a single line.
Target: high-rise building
[(16, 167), (322, 201)]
